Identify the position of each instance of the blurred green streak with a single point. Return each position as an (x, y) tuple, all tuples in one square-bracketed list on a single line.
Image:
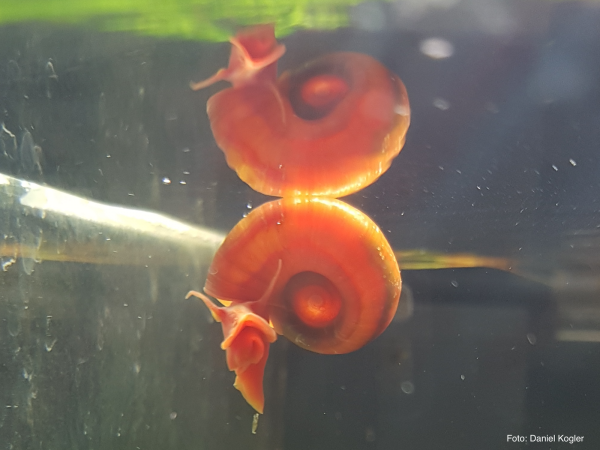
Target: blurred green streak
[(208, 20)]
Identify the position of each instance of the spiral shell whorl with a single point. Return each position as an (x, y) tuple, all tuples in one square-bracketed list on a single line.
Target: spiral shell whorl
[(317, 236), (328, 129)]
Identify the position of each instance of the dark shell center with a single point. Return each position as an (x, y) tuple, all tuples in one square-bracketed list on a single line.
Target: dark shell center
[(317, 90)]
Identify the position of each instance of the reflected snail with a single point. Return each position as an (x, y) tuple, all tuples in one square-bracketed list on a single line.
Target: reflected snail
[(329, 128)]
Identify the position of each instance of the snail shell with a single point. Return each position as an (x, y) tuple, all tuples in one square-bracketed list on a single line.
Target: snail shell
[(329, 128), (332, 278)]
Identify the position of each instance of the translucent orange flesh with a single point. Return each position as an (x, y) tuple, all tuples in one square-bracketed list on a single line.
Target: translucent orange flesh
[(247, 337)]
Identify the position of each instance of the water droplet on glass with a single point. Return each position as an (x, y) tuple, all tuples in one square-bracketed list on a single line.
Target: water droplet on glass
[(27, 375), (407, 387), (30, 154), (49, 344), (441, 104), (436, 48), (50, 70)]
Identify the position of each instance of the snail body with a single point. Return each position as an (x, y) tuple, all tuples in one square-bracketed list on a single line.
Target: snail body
[(329, 128)]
